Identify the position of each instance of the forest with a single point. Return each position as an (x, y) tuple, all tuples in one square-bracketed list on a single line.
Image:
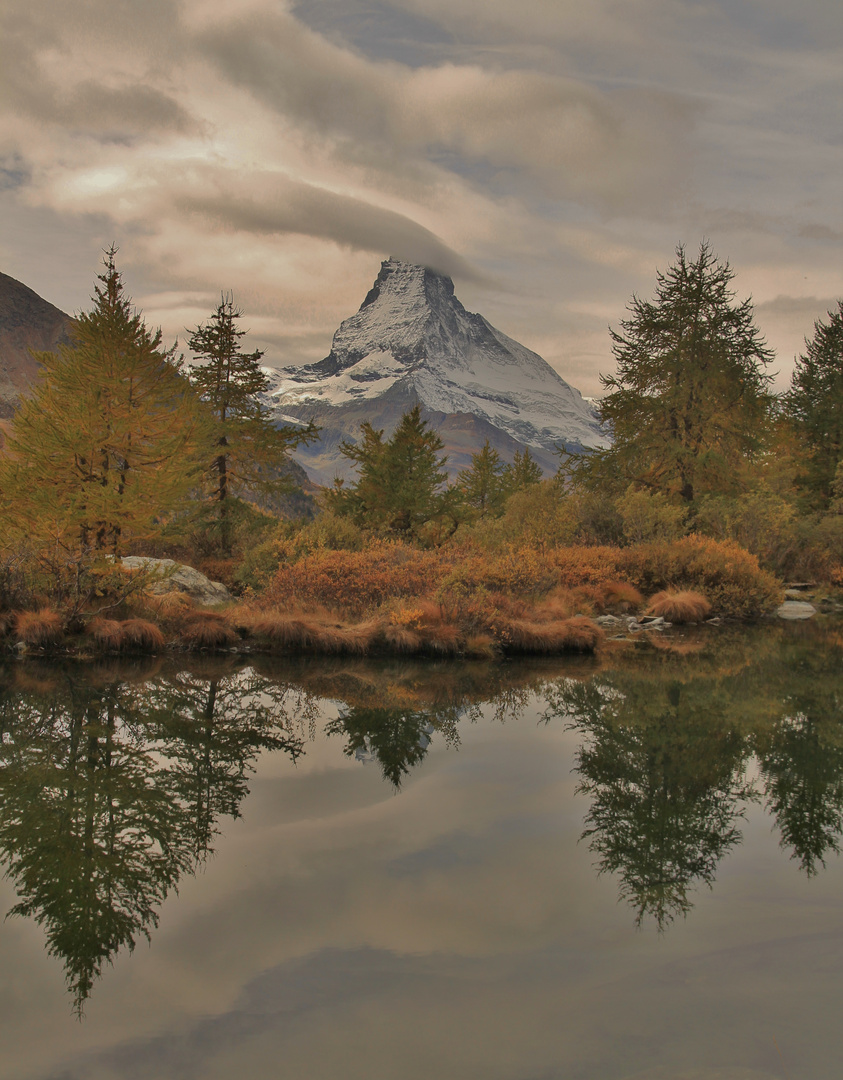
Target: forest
[(715, 492)]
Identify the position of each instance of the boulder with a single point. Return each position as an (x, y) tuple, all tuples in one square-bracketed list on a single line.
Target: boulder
[(796, 609), (166, 575)]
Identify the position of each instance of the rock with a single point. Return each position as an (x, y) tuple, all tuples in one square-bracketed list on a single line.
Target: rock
[(166, 575), (608, 621), (794, 594), (796, 609)]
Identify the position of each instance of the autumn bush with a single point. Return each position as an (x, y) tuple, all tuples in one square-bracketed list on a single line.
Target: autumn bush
[(357, 582), (727, 575)]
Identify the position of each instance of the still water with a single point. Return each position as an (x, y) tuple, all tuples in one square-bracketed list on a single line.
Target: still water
[(588, 868)]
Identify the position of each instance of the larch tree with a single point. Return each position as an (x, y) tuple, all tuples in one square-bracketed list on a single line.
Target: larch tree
[(690, 400), (814, 406), (105, 448), (247, 452)]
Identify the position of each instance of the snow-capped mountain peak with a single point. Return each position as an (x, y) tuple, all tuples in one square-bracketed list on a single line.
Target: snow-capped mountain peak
[(413, 341)]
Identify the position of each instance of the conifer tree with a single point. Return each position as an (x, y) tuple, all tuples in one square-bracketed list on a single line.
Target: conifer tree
[(524, 471), (105, 447), (483, 486), (814, 405), (400, 485), (247, 451), (690, 400)]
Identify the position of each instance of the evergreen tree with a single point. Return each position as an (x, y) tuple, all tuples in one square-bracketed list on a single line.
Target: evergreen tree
[(248, 452), (105, 447), (524, 471), (690, 400), (484, 485), (400, 482), (814, 405)]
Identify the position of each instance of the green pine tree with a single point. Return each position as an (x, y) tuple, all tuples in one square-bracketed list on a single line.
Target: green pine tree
[(814, 406), (484, 485), (524, 471), (247, 452), (401, 482)]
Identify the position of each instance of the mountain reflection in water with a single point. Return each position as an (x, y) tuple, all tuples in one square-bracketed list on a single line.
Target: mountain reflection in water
[(114, 778)]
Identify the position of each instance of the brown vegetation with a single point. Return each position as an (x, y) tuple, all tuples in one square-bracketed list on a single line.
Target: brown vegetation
[(39, 629), (207, 630), (679, 606), (126, 636)]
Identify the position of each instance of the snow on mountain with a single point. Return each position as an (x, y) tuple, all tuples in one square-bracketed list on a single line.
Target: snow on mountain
[(413, 341)]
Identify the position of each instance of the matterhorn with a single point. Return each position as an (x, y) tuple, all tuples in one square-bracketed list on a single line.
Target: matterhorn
[(412, 342)]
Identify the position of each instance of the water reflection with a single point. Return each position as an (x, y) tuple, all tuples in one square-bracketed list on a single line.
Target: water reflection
[(110, 789), (114, 779), (667, 736), (664, 773)]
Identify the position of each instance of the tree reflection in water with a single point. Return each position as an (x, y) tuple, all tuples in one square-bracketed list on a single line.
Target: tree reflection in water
[(110, 787), (113, 779), (667, 737)]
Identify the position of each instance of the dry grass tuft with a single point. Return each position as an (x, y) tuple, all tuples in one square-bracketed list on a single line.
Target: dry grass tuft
[(679, 606), (401, 639), (620, 597), (444, 639), (141, 636), (481, 647), (207, 630), (284, 632), (39, 628), (106, 634), (581, 635)]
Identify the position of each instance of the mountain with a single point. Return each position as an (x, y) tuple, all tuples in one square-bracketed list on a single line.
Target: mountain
[(26, 322), (412, 342)]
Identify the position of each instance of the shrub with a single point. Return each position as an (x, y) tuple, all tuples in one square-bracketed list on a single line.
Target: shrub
[(355, 582), (39, 628), (724, 572), (679, 606), (650, 516)]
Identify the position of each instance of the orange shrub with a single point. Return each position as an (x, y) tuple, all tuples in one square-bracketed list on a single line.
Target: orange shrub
[(721, 570), (357, 582)]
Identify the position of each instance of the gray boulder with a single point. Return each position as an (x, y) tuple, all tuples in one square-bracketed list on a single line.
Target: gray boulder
[(796, 609), (166, 575)]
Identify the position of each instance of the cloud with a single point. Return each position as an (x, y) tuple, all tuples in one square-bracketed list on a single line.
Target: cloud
[(564, 135), (273, 203)]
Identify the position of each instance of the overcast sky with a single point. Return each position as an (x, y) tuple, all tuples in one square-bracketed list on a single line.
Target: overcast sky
[(548, 154)]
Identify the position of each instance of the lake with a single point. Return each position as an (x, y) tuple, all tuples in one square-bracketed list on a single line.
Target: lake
[(614, 867)]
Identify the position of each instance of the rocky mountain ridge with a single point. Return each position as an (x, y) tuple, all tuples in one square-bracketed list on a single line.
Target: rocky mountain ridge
[(27, 321), (413, 342)]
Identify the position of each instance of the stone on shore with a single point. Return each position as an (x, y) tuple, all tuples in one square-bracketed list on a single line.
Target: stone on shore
[(166, 575), (796, 609)]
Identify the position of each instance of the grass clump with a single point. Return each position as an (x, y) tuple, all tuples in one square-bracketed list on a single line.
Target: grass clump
[(39, 629), (679, 606)]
